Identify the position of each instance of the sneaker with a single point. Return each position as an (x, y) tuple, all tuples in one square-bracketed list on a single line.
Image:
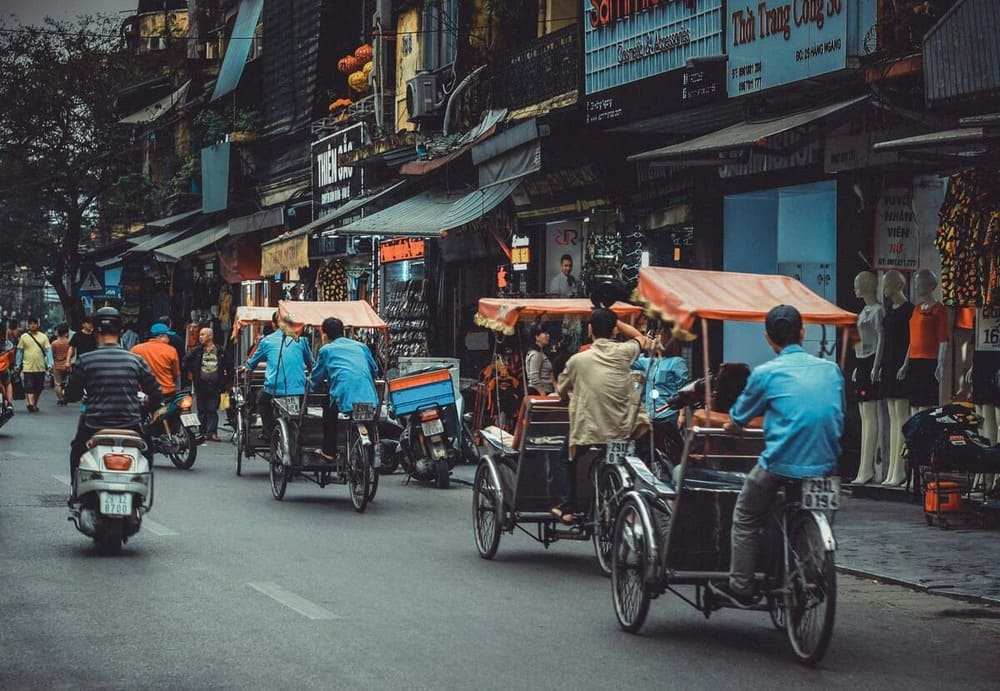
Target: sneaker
[(732, 598)]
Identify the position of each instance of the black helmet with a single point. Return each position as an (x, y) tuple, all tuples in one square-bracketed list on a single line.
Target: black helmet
[(108, 320)]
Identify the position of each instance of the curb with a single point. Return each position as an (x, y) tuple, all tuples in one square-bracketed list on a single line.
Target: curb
[(965, 597)]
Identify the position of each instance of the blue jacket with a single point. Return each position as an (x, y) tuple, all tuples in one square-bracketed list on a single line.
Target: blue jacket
[(665, 375), (350, 369), (802, 400), (287, 360)]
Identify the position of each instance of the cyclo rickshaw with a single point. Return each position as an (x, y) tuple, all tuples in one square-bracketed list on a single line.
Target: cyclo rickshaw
[(248, 326), (299, 421), (669, 534), (515, 481)]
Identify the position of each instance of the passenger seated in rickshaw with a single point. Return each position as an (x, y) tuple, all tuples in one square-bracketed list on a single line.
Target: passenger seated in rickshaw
[(349, 369), (802, 400), (287, 360), (603, 403), (662, 374)]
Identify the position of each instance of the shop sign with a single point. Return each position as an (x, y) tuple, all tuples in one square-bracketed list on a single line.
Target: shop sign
[(335, 183), (988, 328), (897, 242), (760, 161), (636, 48), (775, 42), (850, 147), (400, 249)]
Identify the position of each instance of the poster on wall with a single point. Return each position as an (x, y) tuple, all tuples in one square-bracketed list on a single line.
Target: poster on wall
[(563, 258), (897, 242), (988, 328)]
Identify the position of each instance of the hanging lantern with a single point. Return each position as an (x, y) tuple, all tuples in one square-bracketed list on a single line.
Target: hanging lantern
[(339, 103), (358, 81), (349, 64), (364, 53), (367, 69)]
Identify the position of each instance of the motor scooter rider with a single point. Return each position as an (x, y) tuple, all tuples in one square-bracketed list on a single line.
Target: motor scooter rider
[(111, 377), (802, 400), (7, 358)]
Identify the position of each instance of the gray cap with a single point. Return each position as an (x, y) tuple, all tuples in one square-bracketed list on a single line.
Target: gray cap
[(782, 320)]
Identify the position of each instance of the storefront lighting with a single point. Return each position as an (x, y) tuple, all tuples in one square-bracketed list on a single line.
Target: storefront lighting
[(586, 219)]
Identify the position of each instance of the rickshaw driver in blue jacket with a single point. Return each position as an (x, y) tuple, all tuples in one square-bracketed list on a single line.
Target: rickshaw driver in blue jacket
[(350, 369), (802, 400), (287, 361)]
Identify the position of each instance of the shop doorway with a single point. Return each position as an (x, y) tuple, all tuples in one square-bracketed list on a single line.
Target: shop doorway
[(791, 231)]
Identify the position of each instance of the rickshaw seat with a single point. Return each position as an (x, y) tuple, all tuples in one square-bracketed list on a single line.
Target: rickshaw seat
[(545, 428), (500, 439), (704, 418), (522, 412), (718, 480)]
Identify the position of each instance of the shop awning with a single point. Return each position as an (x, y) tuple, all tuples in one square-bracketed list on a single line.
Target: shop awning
[(502, 314), (189, 245), (172, 220), (683, 294), (245, 314), (288, 253), (430, 213), (355, 313), (157, 109), (244, 30), (157, 241), (453, 147), (955, 140), (744, 134), (268, 218)]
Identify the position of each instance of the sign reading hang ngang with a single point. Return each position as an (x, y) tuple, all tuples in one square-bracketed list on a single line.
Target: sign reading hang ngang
[(634, 49), (897, 243)]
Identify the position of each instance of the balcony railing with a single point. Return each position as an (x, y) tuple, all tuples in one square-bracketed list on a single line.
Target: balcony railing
[(543, 68)]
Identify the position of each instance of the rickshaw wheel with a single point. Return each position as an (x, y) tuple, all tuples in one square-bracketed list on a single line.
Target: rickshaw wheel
[(372, 481), (609, 485), (812, 581), (239, 439), (629, 556), (486, 512), (280, 452), (359, 474), (776, 608)]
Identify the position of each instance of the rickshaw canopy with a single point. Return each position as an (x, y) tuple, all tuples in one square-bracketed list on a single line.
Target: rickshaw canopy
[(683, 294), (245, 314), (354, 313), (502, 314)]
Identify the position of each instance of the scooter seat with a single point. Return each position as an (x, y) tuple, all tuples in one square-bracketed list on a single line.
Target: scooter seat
[(124, 437)]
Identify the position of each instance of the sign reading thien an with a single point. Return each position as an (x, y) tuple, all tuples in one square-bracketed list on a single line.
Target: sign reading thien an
[(635, 53)]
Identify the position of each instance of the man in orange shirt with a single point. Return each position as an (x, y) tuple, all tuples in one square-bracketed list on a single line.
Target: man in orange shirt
[(161, 357)]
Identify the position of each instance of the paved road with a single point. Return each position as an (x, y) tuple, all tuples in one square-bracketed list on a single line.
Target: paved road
[(226, 588)]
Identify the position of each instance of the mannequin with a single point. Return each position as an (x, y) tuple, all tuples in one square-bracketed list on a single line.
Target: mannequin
[(982, 376), (889, 370), (867, 352)]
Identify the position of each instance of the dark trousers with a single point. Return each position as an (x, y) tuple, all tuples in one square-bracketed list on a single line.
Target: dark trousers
[(84, 432), (266, 411), (330, 414), (749, 522), (207, 401), (585, 455)]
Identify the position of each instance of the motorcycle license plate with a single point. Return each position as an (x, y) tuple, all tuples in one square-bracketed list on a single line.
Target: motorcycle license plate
[(617, 450), (189, 420), (821, 493), (116, 503), (432, 427), (363, 412)]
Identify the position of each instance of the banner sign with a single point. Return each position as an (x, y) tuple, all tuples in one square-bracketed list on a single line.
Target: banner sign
[(333, 183), (988, 328), (400, 249), (897, 244)]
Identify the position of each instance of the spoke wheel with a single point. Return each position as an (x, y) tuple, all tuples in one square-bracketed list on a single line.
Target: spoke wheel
[(280, 455), (373, 476), (358, 475), (239, 439), (776, 608), (609, 486), (629, 556), (812, 597), (185, 458), (486, 512)]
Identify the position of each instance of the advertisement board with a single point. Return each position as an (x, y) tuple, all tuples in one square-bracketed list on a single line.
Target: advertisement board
[(897, 241), (334, 184), (636, 54)]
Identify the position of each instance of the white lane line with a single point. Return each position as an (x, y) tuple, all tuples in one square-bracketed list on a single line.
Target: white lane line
[(308, 609), (151, 525)]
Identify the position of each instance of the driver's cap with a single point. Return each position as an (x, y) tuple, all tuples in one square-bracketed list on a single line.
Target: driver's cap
[(783, 319)]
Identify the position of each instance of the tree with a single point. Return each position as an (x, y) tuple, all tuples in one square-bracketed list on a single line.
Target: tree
[(60, 150)]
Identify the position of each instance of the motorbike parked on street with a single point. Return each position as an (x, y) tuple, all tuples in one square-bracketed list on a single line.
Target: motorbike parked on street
[(420, 402), (174, 430), (114, 489)]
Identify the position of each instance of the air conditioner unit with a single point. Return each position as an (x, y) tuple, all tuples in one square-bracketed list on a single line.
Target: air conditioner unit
[(422, 96)]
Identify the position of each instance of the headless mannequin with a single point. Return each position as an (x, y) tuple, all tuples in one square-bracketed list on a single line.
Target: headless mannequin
[(982, 377), (868, 353), (889, 370)]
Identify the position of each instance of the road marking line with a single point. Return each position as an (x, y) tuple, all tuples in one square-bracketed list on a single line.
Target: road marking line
[(158, 528), (308, 609), (153, 527)]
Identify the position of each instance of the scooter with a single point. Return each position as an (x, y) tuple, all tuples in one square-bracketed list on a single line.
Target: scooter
[(173, 430), (6, 409), (425, 451), (114, 489)]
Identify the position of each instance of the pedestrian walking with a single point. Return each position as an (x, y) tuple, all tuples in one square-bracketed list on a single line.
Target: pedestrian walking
[(34, 359), (60, 362), (83, 341), (206, 365)]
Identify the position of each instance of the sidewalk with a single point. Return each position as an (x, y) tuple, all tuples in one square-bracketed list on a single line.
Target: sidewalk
[(890, 541)]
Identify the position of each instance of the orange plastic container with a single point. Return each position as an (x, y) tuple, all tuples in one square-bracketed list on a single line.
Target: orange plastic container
[(942, 497)]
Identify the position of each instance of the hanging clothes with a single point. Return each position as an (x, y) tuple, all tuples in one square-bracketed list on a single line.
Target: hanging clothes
[(331, 282), (968, 240)]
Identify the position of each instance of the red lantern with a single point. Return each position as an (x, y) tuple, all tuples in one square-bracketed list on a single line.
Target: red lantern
[(348, 64), (363, 53)]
